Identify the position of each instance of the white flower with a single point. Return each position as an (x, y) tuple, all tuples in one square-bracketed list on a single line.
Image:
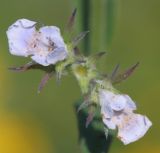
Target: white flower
[(45, 46), (117, 111)]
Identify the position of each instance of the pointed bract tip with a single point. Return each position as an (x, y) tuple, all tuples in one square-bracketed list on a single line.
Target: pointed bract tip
[(74, 12), (71, 20)]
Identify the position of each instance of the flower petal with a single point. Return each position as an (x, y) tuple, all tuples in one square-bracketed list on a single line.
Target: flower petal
[(58, 54), (118, 102), (105, 103), (130, 103), (133, 127), (40, 59), (109, 123), (105, 97), (19, 35), (52, 33), (106, 111)]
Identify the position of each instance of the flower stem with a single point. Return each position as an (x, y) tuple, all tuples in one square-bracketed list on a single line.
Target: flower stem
[(97, 16)]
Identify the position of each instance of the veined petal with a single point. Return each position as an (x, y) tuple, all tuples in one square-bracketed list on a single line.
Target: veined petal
[(40, 59), (130, 103), (51, 47), (58, 54), (52, 33), (105, 96), (118, 102), (133, 127), (106, 110), (19, 35)]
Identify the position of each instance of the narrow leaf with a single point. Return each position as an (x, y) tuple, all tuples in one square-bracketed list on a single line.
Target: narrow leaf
[(78, 38), (23, 68), (115, 71), (71, 20), (44, 81), (125, 75), (32, 65), (91, 115), (89, 119), (96, 57)]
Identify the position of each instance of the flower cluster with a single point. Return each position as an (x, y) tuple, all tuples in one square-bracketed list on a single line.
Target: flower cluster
[(51, 53)]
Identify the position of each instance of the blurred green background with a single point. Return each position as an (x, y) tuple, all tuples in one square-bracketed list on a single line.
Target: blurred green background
[(46, 122)]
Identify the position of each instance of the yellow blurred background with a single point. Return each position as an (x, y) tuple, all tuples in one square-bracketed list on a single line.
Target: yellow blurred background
[(46, 122)]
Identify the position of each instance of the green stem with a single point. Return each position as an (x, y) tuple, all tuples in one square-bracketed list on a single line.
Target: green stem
[(110, 21), (97, 16), (83, 22), (92, 139)]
